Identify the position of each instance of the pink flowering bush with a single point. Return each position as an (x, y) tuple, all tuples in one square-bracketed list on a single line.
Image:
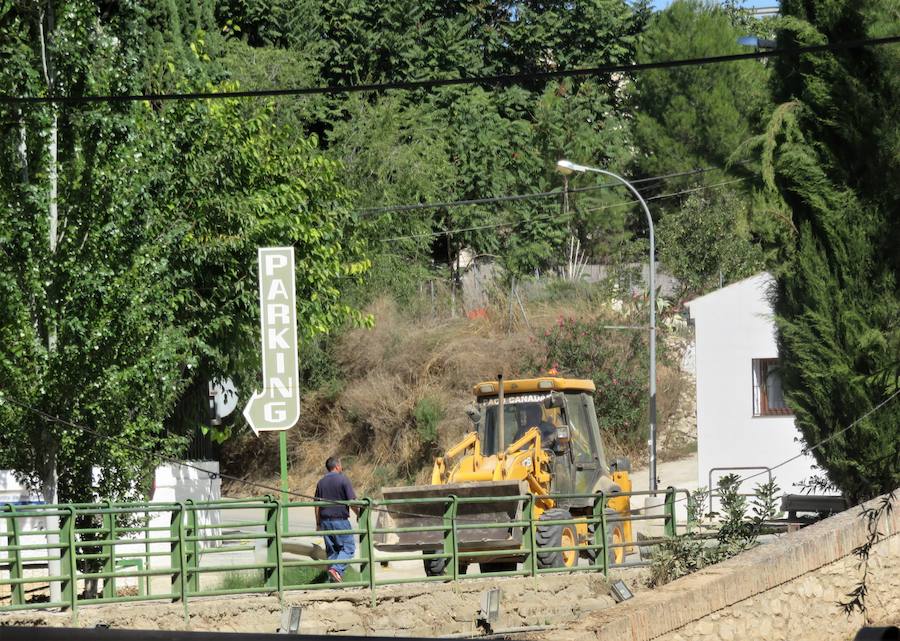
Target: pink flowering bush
[(617, 361)]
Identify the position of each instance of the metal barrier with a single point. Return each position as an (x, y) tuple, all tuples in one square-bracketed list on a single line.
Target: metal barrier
[(117, 544)]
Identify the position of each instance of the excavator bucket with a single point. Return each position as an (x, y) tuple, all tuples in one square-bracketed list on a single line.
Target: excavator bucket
[(498, 506)]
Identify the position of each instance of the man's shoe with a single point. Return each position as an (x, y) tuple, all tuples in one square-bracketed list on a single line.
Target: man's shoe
[(334, 576)]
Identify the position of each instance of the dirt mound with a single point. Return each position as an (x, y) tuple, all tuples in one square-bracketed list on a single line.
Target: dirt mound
[(433, 609), (407, 382)]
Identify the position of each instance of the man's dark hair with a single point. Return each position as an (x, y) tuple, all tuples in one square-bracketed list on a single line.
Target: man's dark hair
[(331, 463)]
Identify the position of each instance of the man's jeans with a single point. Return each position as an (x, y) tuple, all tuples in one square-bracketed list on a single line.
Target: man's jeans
[(339, 547)]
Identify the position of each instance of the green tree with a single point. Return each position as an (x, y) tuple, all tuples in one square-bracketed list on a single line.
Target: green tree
[(478, 141), (831, 152), (706, 242), (127, 244), (698, 115)]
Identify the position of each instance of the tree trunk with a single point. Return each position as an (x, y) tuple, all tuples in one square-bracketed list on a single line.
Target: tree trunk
[(22, 148), (50, 480)]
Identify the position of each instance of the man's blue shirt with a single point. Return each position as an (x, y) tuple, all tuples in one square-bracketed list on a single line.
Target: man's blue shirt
[(334, 486)]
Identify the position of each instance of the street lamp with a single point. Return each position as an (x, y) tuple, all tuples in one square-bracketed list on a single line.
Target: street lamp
[(566, 168)]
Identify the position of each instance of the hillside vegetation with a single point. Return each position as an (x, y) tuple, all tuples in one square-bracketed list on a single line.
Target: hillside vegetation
[(402, 386)]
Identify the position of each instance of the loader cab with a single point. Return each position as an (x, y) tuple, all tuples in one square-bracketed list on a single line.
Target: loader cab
[(563, 410)]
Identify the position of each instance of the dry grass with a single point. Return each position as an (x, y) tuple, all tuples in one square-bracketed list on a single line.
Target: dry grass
[(368, 419)]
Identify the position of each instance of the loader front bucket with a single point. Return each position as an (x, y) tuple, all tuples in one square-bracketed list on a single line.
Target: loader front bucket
[(499, 509)]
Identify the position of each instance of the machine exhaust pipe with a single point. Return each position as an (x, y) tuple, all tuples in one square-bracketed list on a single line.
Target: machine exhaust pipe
[(502, 436)]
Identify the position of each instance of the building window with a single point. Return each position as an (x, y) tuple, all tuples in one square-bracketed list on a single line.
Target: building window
[(768, 397)]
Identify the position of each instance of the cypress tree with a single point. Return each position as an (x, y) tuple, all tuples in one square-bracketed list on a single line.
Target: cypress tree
[(833, 153)]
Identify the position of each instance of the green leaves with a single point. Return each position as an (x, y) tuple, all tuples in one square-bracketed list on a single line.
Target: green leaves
[(616, 362), (707, 241), (830, 152), (691, 116), (151, 290)]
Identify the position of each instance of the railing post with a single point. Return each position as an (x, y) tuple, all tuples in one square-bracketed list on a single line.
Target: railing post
[(176, 532), (273, 575), (366, 547), (669, 510), (599, 517), (147, 563), (15, 560), (109, 563), (450, 543), (191, 547), (692, 509), (530, 538), (67, 559)]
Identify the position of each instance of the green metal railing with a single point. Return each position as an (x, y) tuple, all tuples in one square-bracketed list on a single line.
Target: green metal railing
[(183, 550)]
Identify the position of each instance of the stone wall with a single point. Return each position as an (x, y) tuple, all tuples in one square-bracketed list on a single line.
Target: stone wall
[(788, 590)]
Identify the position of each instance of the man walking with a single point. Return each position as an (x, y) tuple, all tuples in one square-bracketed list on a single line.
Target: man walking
[(334, 486)]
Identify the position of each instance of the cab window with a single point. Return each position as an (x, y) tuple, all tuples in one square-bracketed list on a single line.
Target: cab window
[(582, 437), (518, 418)]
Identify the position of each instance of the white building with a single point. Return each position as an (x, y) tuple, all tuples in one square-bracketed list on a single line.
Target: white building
[(172, 483), (742, 419)]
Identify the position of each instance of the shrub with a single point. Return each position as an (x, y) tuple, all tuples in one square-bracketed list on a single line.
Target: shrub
[(616, 361), (428, 413), (737, 531)]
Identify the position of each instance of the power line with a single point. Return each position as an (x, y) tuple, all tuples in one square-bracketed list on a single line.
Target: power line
[(164, 459), (151, 456), (497, 79), (672, 195), (516, 197), (546, 217), (808, 450), (834, 435)]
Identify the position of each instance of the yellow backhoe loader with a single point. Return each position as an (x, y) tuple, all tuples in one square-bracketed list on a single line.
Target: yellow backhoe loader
[(532, 436)]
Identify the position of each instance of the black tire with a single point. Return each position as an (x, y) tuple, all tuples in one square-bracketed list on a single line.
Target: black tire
[(591, 554), (438, 567), (550, 536), (498, 566)]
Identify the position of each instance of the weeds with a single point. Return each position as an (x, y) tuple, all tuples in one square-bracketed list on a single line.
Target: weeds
[(856, 599), (429, 412), (391, 396), (737, 530), (292, 576)]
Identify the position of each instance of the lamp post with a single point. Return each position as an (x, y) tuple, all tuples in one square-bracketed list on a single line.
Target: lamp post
[(566, 168)]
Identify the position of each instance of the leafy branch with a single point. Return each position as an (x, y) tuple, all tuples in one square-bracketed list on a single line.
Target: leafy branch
[(856, 598)]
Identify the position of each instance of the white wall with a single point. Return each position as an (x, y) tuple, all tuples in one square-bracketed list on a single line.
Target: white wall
[(172, 483), (733, 326)]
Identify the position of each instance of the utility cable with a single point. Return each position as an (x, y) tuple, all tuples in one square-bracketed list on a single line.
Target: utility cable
[(497, 79), (165, 459), (160, 458), (541, 194), (806, 450), (810, 449), (548, 217)]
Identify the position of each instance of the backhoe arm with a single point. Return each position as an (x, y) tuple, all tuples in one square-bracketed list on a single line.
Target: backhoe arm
[(439, 471)]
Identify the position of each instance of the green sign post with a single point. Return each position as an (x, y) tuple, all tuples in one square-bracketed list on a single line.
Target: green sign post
[(277, 406)]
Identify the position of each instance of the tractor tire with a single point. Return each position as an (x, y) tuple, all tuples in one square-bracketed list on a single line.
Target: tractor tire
[(498, 566), (551, 536), (613, 535), (438, 567)]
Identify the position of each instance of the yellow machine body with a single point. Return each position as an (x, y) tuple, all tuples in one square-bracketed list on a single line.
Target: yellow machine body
[(527, 464)]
